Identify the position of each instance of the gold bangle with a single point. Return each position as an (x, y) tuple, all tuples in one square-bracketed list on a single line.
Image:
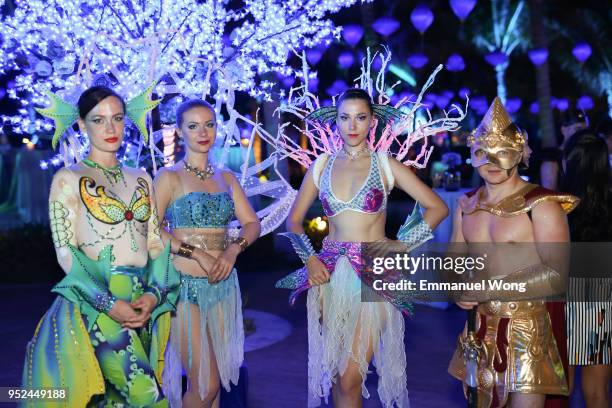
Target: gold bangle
[(185, 250), (242, 243)]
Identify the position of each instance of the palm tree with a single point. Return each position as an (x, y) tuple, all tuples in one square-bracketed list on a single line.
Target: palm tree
[(502, 38), (595, 28), (540, 40)]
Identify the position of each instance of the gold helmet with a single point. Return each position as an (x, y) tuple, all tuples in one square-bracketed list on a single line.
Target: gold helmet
[(497, 140)]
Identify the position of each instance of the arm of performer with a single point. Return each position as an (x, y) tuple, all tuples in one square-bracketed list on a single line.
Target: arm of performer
[(317, 272), (551, 234), (163, 196), (86, 288), (435, 209), (549, 277), (162, 282), (251, 228)]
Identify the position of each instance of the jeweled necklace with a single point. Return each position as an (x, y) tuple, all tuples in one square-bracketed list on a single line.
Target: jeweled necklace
[(112, 174), (201, 174), (354, 154)]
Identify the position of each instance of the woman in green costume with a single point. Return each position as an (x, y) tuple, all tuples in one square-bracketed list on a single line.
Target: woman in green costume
[(104, 337)]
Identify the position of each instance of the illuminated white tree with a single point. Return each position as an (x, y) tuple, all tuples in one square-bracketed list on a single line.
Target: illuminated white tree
[(203, 48), (196, 48)]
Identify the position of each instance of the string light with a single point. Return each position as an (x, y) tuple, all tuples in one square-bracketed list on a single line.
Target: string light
[(199, 48)]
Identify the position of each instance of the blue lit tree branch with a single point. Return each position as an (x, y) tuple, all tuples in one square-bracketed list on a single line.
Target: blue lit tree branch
[(502, 39), (193, 48), (197, 48)]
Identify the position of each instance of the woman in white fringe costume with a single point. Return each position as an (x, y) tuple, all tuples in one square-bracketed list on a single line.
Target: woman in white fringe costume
[(197, 202), (344, 333)]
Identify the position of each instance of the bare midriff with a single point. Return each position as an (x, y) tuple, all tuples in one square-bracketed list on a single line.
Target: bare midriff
[(354, 226), (212, 240)]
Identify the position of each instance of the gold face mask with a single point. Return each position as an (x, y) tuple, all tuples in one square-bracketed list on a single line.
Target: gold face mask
[(497, 140)]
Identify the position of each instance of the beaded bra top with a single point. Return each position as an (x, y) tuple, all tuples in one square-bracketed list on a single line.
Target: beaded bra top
[(371, 197), (200, 209)]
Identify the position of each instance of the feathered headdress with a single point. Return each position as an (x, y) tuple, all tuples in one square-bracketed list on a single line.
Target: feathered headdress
[(400, 132)]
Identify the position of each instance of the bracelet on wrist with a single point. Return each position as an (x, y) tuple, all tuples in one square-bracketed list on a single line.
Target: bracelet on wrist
[(185, 250), (242, 243)]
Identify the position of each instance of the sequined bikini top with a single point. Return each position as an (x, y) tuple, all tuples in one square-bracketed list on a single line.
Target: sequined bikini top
[(371, 197), (200, 209)]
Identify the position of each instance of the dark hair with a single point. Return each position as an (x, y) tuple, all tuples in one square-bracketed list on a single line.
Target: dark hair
[(190, 104), (355, 93), (93, 96), (587, 176), (573, 116), (605, 128)]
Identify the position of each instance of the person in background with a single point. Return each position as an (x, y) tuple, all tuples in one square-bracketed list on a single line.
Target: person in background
[(589, 324), (573, 121)]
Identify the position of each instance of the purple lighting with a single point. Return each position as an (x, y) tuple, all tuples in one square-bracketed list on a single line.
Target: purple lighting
[(582, 51), (314, 55), (386, 26), (287, 81), (513, 105), (496, 58), (562, 104), (417, 61), (429, 100), (463, 93), (479, 104), (534, 108), (377, 64), (462, 8), (585, 103), (352, 34), (346, 59), (421, 18), (408, 96), (444, 99), (538, 56), (337, 87), (313, 83), (455, 63)]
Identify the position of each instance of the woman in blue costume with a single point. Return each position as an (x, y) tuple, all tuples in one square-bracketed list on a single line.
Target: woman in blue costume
[(197, 202), (104, 337), (345, 334)]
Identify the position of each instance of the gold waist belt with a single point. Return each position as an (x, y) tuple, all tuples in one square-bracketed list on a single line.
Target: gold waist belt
[(213, 241), (512, 309)]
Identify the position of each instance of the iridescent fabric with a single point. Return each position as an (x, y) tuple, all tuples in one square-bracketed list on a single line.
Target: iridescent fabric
[(371, 197), (208, 316), (333, 250), (200, 209), (338, 319), (89, 353)]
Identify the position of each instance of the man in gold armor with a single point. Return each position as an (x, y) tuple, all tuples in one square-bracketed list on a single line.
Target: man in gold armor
[(519, 361)]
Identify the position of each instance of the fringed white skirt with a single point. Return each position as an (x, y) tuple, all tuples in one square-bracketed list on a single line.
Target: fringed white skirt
[(207, 316), (337, 319)]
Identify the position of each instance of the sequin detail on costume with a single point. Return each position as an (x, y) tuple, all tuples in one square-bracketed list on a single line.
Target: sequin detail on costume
[(112, 210), (371, 197), (200, 209)]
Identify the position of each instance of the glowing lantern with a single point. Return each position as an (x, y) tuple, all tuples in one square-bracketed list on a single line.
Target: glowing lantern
[(352, 34), (386, 26), (582, 51), (462, 8), (538, 56), (421, 18)]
